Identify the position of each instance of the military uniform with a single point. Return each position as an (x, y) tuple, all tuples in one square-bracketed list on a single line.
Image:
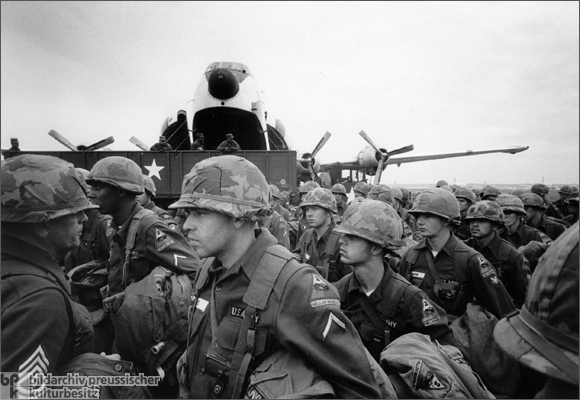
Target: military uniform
[(158, 245), (95, 241), (37, 330), (550, 228), (472, 281), (161, 147), (278, 227), (313, 250), (412, 311), (462, 231), (512, 267), (522, 236), (328, 339), (228, 147), (197, 145), (161, 213)]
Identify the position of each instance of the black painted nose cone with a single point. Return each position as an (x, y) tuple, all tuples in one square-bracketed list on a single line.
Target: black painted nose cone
[(223, 84)]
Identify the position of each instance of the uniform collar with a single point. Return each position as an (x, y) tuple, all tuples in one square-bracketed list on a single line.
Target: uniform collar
[(123, 230), (354, 285), (493, 245), (448, 248)]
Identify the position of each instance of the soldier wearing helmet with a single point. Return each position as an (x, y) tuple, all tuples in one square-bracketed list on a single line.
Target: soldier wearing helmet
[(543, 336), (199, 143), (446, 269), (564, 192), (43, 203), (466, 198), (441, 183), (146, 201), (339, 192), (535, 206), (384, 193), (319, 246), (516, 231), (361, 189), (572, 203), (398, 202), (298, 228), (229, 145), (275, 222), (490, 193), (407, 203), (370, 230), (550, 210), (485, 218), (162, 145), (250, 287), (277, 202)]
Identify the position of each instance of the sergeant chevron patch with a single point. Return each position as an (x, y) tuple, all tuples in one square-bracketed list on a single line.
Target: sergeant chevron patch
[(36, 363)]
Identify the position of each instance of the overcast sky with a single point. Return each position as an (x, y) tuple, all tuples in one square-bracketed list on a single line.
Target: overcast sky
[(445, 77)]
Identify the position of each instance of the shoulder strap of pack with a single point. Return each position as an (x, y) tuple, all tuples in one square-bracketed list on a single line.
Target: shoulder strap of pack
[(132, 234), (307, 238), (74, 326), (329, 250), (461, 255), (256, 298)]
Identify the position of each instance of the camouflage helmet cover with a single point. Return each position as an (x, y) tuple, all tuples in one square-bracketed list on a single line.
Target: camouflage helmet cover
[(437, 202), (321, 197), (397, 193), (38, 188), (544, 334), (118, 171), (540, 188), (440, 183), (381, 192), (406, 193), (533, 200), (566, 189), (308, 186), (573, 198), (361, 187), (374, 221), (84, 174), (465, 193), (490, 191), (226, 184), (274, 191), (510, 202), (338, 188), (519, 192), (486, 209), (149, 185)]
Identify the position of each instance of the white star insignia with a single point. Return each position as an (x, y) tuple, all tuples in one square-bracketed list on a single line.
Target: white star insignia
[(154, 169)]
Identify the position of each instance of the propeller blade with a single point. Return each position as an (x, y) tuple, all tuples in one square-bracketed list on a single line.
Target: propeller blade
[(137, 142), (99, 144), (368, 139), (402, 150), (62, 140), (313, 174), (321, 144), (379, 171)]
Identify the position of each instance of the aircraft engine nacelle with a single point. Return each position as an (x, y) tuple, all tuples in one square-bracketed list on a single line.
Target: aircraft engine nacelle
[(369, 158), (302, 166)]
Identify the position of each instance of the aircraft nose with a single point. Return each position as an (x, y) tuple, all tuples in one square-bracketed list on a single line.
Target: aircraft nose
[(222, 84)]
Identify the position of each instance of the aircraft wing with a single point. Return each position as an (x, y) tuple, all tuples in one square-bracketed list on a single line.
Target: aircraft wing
[(401, 160)]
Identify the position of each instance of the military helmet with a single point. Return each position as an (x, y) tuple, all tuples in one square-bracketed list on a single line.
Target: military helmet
[(374, 221), (533, 200), (118, 171), (200, 135), (519, 192), (437, 202), (486, 209), (446, 187), (544, 334), (454, 187), (84, 174), (573, 198), (149, 185), (397, 193), (510, 202), (540, 188), (381, 192), (308, 186), (321, 197), (226, 184), (361, 187), (38, 188), (338, 188), (465, 193), (274, 191), (490, 191), (566, 189), (440, 183), (406, 193)]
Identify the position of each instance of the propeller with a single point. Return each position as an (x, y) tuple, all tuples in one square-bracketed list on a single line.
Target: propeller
[(70, 146), (384, 155), (309, 159), (139, 143)]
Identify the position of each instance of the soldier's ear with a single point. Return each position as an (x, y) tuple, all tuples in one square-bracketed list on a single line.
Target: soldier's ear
[(41, 229), (376, 249)]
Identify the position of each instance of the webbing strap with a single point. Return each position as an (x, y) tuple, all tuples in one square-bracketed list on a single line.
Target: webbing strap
[(130, 242), (328, 252)]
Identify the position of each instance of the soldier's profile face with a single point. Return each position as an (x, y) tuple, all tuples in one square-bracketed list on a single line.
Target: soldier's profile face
[(209, 232), (480, 228), (464, 204), (105, 196), (64, 233), (354, 250), (429, 225), (316, 216), (531, 212)]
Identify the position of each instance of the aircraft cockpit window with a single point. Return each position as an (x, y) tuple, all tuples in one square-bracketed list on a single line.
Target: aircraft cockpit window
[(229, 65)]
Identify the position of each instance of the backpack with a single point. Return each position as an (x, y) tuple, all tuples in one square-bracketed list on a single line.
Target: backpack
[(329, 251)]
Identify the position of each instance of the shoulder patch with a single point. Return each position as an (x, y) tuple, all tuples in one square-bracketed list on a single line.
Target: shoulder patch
[(110, 229), (162, 241), (36, 363), (485, 267), (430, 314)]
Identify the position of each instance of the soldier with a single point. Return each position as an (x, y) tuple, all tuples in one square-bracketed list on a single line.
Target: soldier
[(276, 202), (446, 269), (564, 192), (516, 231), (519, 192), (361, 189), (381, 304), (229, 145), (42, 218), (512, 268), (14, 145), (162, 145), (549, 209), (275, 223), (146, 201), (490, 193), (319, 246), (384, 193), (543, 336), (339, 192), (252, 297), (535, 206), (572, 203), (298, 224), (466, 198), (407, 203), (199, 143), (441, 183), (398, 201)]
